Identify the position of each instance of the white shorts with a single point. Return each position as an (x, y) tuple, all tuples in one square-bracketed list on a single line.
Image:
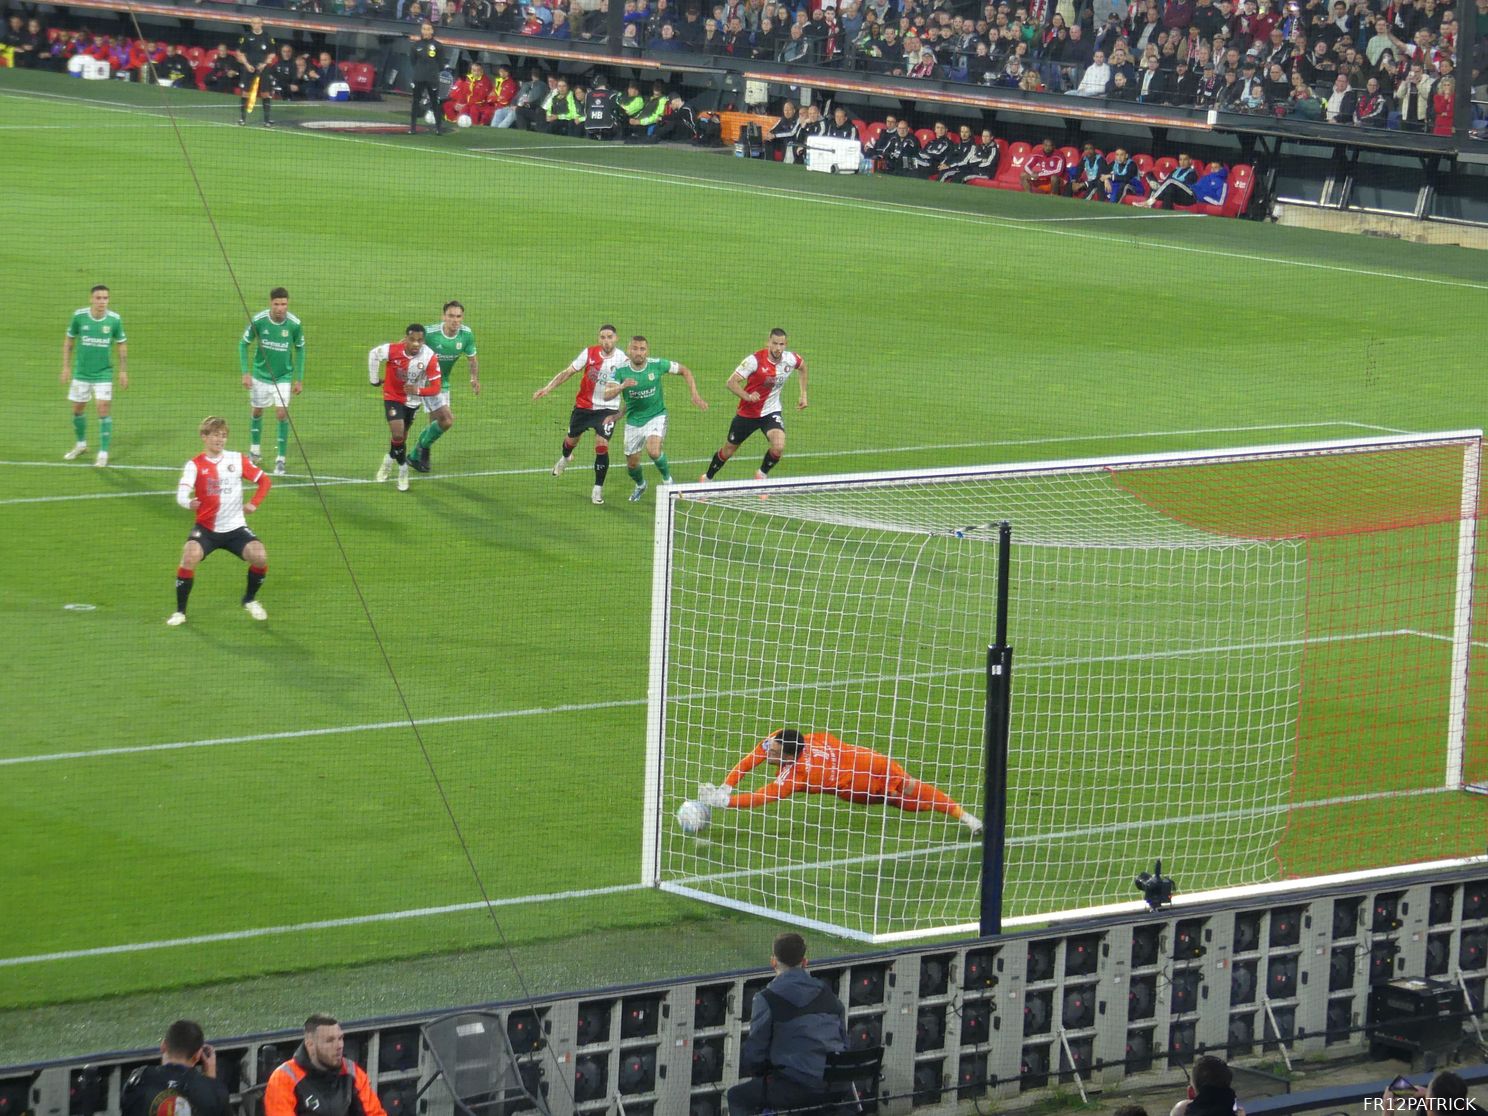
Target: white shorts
[(635, 436), (433, 403), (80, 391), (262, 395)]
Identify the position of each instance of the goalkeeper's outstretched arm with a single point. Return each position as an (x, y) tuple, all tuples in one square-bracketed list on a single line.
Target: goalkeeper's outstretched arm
[(746, 765), (719, 797)]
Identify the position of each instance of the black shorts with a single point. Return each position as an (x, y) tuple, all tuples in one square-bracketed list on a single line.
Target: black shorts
[(235, 541), (742, 427), (393, 411), (602, 422)]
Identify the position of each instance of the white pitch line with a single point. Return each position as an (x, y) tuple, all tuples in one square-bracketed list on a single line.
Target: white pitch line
[(322, 924), (616, 889), (329, 481), (713, 695), (87, 465), (1037, 225)]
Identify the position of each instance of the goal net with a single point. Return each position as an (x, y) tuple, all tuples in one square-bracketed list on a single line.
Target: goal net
[(1253, 664)]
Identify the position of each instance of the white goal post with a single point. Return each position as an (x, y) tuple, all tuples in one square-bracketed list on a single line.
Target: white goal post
[(1244, 661)]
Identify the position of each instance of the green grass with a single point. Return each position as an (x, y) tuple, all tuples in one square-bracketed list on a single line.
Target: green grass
[(942, 326)]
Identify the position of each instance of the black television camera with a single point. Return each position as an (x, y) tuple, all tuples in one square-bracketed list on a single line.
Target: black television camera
[(1157, 889)]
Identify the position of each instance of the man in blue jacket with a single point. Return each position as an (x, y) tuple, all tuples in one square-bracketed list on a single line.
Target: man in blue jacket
[(795, 1023)]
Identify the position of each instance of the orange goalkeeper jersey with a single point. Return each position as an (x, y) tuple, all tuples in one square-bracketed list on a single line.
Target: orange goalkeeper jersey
[(825, 765)]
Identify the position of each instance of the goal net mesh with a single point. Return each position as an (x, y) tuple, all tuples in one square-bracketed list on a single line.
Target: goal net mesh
[(1243, 665)]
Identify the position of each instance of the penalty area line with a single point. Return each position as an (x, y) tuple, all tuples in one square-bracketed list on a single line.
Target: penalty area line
[(320, 924), (1033, 664), (327, 481)]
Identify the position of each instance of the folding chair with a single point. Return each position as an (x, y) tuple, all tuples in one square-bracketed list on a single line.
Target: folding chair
[(852, 1078), (473, 1055)]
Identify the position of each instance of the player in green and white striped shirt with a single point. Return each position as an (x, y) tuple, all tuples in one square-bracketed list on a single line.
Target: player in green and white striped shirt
[(450, 340), (93, 332), (278, 370)]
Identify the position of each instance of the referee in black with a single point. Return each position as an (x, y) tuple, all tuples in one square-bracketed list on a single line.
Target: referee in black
[(427, 62), (256, 52), (187, 1072)]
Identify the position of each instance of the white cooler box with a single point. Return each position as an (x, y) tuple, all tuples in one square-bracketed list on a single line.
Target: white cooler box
[(833, 156)]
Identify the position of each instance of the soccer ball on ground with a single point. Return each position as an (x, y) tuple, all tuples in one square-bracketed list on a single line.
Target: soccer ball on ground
[(463, 120), (693, 817), (428, 116)]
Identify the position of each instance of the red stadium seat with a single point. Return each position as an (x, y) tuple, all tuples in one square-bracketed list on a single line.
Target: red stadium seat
[(1010, 167), (871, 133), (1242, 185), (1164, 167), (925, 135), (862, 127), (361, 76), (1144, 163), (194, 55), (1237, 194), (1071, 155), (201, 70)]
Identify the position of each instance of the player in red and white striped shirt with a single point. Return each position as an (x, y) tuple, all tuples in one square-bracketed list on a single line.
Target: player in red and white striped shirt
[(757, 382), (211, 485), (592, 411), (413, 375)]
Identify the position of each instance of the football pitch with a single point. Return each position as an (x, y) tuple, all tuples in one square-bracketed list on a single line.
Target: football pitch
[(228, 799)]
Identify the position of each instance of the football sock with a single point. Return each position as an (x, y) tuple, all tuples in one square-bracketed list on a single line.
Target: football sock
[(568, 446), (771, 460), (601, 466), (256, 575), (397, 450), (255, 431), (243, 109), (185, 579), (432, 434), (714, 466), (105, 432), (636, 474), (266, 108), (80, 427), (663, 468), (283, 438)]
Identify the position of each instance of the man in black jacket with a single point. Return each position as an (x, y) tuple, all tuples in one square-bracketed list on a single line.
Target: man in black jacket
[(795, 1023), (319, 1080), (187, 1072), (902, 154), (976, 160), (1185, 88), (841, 127), (428, 60)]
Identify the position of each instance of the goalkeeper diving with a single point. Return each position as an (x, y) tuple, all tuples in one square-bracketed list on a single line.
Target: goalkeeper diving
[(819, 763)]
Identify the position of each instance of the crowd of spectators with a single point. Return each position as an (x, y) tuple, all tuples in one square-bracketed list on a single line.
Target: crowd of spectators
[(1367, 63), (1370, 63)]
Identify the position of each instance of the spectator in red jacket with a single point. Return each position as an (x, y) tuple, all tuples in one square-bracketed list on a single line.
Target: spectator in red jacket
[(1443, 106), (471, 96)]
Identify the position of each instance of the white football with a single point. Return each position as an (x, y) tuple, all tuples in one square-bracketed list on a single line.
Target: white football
[(428, 117), (693, 817), (463, 120)]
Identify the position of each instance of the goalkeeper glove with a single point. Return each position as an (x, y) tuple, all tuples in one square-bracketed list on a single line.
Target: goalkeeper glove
[(713, 796)]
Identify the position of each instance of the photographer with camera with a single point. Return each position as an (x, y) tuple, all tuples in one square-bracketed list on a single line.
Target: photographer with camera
[(187, 1073)]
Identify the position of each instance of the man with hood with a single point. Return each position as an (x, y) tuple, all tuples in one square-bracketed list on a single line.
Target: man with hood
[(796, 1023)]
